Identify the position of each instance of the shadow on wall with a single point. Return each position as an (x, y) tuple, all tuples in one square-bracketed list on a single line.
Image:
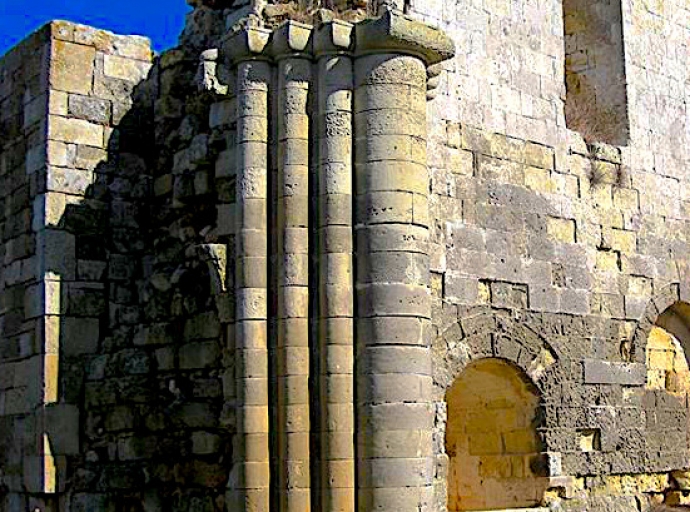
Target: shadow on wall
[(141, 366)]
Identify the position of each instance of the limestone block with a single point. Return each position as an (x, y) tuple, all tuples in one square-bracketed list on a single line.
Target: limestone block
[(378, 299), (68, 181), (57, 103), (62, 424), (225, 164), (394, 267), (59, 250), (199, 355), (223, 113), (203, 326), (538, 155), (394, 331), (86, 300), (124, 68), (89, 158), (394, 360), (34, 112), (60, 154), (119, 418), (396, 498), (88, 108), (79, 336), (385, 207), (72, 67), (400, 121), (205, 443), (620, 240), (395, 472), (391, 147), (392, 176), (375, 70), (75, 131)]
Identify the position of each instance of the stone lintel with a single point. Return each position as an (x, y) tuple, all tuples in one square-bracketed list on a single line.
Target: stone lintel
[(394, 32), (606, 372)]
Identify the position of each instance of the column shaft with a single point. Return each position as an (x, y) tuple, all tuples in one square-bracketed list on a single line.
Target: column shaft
[(250, 473), (336, 284), (292, 323), (395, 465)]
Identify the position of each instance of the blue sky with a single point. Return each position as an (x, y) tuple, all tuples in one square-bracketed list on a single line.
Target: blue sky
[(160, 20)]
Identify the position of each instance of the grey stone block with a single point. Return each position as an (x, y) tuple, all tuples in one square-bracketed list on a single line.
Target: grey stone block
[(606, 372), (89, 108)]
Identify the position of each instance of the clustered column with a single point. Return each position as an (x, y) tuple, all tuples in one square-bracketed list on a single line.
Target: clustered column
[(367, 97)]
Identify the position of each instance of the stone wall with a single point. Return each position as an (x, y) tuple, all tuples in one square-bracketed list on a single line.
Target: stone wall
[(23, 109), (135, 293), (583, 246), (60, 125)]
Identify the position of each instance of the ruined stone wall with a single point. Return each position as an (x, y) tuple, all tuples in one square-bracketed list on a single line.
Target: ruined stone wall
[(555, 255), (581, 246), (149, 388), (23, 108), (65, 91)]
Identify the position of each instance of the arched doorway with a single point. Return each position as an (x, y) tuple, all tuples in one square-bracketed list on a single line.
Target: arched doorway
[(491, 439), (666, 357)]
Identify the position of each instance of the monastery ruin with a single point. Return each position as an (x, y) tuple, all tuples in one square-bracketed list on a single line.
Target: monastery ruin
[(383, 256)]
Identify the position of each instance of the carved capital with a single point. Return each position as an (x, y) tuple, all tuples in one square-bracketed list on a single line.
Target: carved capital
[(247, 43), (394, 32)]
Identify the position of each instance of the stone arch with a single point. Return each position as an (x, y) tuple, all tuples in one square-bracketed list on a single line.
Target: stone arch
[(662, 341), (668, 296), (494, 450), (488, 335), (492, 336)]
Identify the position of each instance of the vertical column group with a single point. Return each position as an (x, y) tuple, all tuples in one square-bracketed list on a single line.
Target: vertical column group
[(372, 358)]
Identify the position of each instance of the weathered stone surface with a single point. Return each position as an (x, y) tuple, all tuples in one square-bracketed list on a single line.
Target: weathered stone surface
[(89, 109), (72, 67), (485, 228), (124, 68), (75, 131), (604, 372)]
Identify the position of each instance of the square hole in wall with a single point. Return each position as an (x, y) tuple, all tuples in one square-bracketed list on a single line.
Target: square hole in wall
[(589, 440)]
